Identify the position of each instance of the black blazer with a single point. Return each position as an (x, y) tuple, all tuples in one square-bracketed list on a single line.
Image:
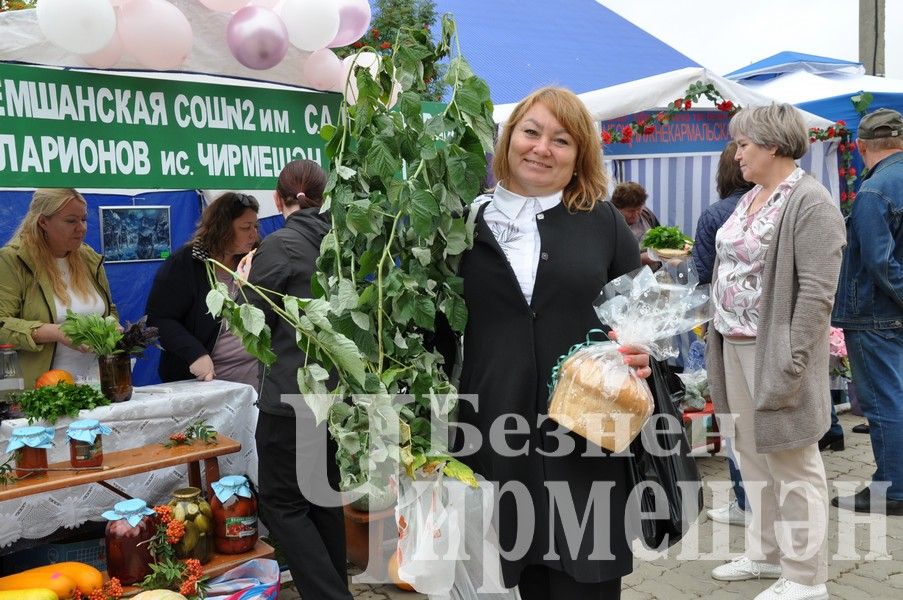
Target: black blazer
[(177, 305), (510, 348)]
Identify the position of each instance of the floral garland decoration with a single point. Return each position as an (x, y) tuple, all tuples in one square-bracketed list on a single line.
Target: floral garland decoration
[(625, 133), (847, 172)]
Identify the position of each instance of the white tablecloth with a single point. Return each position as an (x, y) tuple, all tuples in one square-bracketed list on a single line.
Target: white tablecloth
[(151, 416)]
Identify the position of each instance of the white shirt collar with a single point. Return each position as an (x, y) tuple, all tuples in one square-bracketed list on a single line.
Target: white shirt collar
[(510, 204)]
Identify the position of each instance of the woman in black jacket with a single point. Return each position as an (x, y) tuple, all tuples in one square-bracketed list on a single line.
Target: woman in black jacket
[(544, 247), (195, 344), (311, 536)]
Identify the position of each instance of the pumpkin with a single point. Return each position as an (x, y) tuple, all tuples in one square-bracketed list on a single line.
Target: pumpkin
[(32, 594), (86, 578), (392, 568), (159, 595), (53, 377), (61, 585)]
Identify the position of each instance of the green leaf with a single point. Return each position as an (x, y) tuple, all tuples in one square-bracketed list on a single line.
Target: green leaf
[(456, 312), (345, 353), (382, 161), (423, 255), (456, 238), (252, 318), (346, 297), (215, 300), (361, 320), (345, 172), (458, 470), (423, 208), (425, 312)]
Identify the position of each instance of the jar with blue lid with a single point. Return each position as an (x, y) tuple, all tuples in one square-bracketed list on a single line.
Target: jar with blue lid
[(30, 446), (234, 507), (131, 527), (85, 442)]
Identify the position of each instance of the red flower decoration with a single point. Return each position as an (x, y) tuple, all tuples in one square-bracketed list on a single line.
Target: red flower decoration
[(843, 196), (687, 104), (358, 44), (842, 147), (830, 132), (842, 123), (606, 137), (660, 117), (842, 172), (852, 196), (678, 103), (627, 133), (851, 172), (375, 33), (649, 129), (385, 45)]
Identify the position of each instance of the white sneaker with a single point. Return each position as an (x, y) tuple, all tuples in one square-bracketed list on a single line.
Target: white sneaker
[(731, 514), (741, 569), (783, 589)]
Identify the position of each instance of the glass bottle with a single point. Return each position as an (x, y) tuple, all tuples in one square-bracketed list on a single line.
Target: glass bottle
[(188, 507), (11, 381), (30, 445), (115, 376), (85, 442), (234, 507), (129, 531)]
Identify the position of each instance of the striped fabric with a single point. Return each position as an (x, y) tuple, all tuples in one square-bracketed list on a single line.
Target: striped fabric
[(681, 187)]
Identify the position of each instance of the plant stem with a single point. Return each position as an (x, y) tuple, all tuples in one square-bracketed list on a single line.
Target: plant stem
[(379, 289)]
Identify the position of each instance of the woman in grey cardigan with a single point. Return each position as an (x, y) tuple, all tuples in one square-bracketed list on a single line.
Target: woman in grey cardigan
[(776, 268)]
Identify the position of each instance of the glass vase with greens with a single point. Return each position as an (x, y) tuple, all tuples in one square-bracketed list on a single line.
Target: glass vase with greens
[(397, 189), (114, 347)]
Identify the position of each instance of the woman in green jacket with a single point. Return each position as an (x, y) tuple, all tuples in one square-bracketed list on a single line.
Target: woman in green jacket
[(45, 269)]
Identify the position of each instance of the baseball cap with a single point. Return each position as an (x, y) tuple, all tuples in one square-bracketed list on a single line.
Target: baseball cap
[(882, 123)]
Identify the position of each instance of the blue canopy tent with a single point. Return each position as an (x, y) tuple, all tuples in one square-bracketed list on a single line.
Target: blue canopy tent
[(579, 44)]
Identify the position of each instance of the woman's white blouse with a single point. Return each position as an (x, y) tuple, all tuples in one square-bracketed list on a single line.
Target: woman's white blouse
[(512, 219)]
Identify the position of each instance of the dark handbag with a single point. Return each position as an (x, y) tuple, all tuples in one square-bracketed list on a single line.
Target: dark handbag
[(674, 493)]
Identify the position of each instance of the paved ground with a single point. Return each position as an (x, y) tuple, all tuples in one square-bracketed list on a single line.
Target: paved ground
[(866, 552)]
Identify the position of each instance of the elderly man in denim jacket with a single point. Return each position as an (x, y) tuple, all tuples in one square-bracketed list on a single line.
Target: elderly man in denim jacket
[(869, 307)]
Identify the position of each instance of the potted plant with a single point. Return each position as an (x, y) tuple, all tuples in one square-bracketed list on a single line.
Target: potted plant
[(113, 346), (396, 195)]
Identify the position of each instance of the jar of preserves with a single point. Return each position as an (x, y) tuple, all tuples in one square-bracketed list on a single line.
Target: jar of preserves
[(197, 541), (30, 445), (234, 508), (85, 443), (129, 531)]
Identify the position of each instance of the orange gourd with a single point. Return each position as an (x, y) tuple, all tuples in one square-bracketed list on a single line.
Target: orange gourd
[(52, 580), (392, 568), (86, 577)]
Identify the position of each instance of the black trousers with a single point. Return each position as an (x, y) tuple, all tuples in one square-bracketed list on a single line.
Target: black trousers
[(312, 537), (538, 582)]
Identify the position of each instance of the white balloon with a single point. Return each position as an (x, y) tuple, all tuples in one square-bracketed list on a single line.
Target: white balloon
[(224, 5), (81, 27), (107, 56), (156, 33), (323, 70), (311, 24)]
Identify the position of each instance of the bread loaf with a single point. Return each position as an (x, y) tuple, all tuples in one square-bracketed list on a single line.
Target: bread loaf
[(598, 398)]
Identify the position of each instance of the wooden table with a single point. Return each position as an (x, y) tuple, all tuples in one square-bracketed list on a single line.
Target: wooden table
[(141, 460), (128, 462)]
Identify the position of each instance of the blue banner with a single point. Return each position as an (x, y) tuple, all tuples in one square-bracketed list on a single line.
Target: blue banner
[(688, 132)]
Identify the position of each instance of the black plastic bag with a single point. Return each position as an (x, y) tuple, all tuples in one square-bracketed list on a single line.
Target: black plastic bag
[(661, 456)]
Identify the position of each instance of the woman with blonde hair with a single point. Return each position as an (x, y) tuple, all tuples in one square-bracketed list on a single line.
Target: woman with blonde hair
[(545, 244), (45, 270)]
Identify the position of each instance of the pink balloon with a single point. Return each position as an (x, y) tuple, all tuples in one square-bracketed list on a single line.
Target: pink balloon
[(257, 37), (323, 70), (155, 32), (224, 5), (107, 56), (354, 20)]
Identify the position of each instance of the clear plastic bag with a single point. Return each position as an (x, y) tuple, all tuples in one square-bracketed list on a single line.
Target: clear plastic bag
[(593, 393)]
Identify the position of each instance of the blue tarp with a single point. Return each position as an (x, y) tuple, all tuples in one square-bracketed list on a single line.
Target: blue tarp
[(130, 282), (518, 46), (786, 61)]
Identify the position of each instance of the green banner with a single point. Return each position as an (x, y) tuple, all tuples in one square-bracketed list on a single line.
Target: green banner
[(93, 130)]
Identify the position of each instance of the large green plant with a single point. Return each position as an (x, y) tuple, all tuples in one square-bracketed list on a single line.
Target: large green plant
[(396, 194)]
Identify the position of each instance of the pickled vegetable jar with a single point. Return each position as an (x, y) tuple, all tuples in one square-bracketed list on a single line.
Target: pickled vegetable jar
[(30, 445), (234, 515), (129, 531), (188, 507), (85, 443)]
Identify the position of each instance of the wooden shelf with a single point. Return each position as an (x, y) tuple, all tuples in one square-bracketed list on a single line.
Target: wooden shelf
[(220, 563), (120, 464)]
